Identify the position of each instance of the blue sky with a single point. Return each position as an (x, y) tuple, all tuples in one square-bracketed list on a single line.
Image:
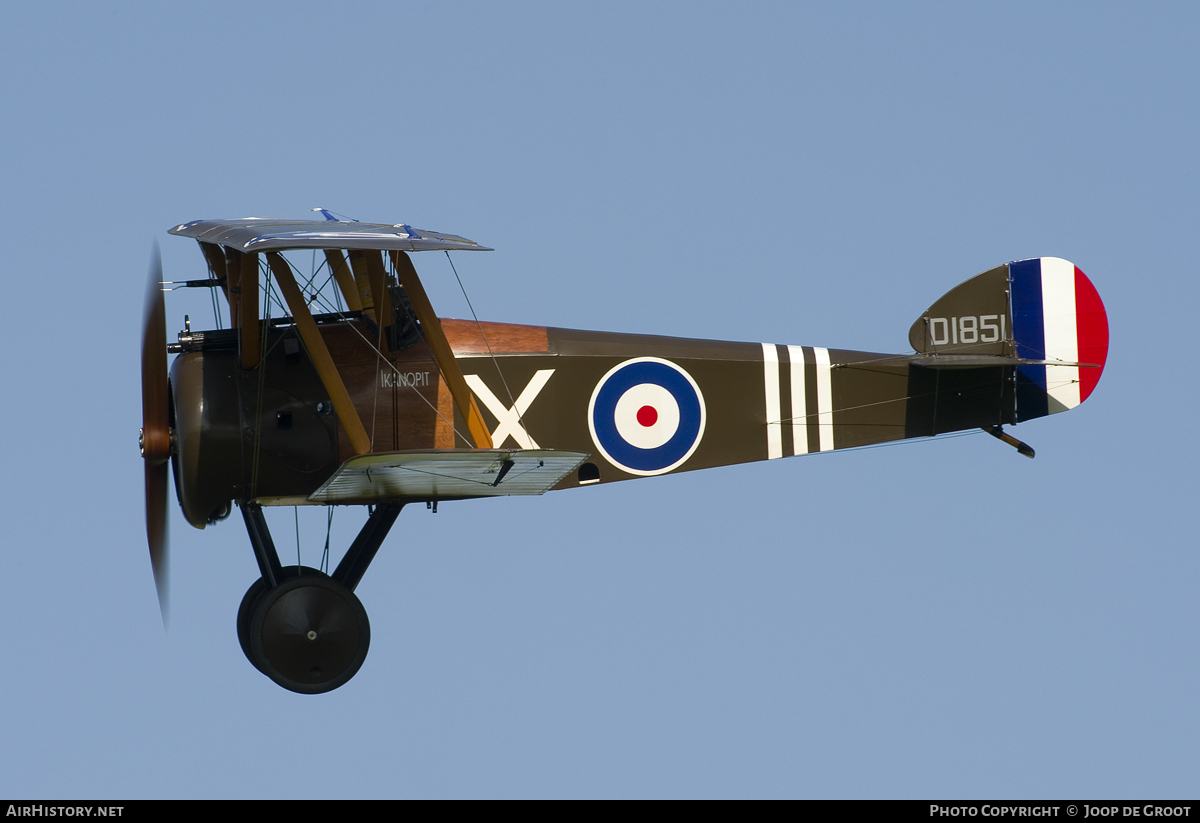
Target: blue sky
[(937, 619)]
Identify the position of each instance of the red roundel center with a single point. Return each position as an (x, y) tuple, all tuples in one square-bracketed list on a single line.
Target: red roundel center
[(647, 416)]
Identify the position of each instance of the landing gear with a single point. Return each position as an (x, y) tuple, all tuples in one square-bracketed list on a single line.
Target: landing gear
[(304, 629)]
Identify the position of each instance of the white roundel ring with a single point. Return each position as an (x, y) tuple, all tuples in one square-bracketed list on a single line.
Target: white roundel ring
[(646, 416)]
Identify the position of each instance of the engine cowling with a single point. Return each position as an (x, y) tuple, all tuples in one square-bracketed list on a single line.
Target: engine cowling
[(221, 454)]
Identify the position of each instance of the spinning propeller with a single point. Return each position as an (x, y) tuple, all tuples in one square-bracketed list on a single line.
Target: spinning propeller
[(155, 438)]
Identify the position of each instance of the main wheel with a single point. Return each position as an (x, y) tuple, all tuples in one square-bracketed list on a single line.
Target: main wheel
[(251, 598), (309, 634)]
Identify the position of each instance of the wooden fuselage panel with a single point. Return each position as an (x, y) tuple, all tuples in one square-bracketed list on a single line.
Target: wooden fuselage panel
[(396, 399)]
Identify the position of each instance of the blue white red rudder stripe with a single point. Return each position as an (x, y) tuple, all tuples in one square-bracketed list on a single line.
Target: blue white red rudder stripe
[(1056, 316)]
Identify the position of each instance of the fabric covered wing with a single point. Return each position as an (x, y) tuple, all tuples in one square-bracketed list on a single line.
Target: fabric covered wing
[(447, 474)]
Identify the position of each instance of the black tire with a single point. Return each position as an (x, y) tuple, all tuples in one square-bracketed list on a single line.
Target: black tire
[(250, 600), (309, 634)]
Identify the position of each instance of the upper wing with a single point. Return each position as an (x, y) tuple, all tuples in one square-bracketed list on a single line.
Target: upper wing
[(254, 234)]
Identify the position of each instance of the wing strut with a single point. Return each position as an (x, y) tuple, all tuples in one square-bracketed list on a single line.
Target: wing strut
[(345, 280), (441, 349), (319, 353), (381, 297), (233, 290), (241, 287), (362, 283), (251, 330), (215, 257)]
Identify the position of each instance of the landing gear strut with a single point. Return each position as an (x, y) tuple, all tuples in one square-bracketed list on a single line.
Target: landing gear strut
[(304, 629)]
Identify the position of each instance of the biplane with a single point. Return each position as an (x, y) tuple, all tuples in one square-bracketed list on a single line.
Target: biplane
[(335, 383)]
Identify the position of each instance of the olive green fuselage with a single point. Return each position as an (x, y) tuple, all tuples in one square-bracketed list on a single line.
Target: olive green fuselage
[(269, 434)]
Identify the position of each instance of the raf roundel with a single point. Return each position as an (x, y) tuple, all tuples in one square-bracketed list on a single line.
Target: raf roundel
[(646, 416)]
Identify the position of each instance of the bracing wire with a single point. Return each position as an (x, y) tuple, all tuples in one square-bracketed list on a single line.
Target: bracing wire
[(262, 374), (495, 362), (317, 270), (324, 303), (216, 308), (831, 412), (328, 530), (271, 295)]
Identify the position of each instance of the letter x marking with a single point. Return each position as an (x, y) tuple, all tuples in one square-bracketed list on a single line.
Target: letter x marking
[(510, 419)]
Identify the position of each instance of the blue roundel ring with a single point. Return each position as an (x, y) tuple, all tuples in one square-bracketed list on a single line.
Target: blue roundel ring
[(675, 429)]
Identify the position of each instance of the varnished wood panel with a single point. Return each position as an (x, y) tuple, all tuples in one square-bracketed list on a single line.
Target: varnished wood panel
[(465, 337), (396, 398)]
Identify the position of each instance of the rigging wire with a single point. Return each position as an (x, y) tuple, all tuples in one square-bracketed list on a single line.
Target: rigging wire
[(216, 309), (296, 514), (496, 363), (328, 529), (831, 412), (433, 354), (441, 375), (317, 270), (271, 295), (325, 304), (337, 298), (264, 335), (378, 359)]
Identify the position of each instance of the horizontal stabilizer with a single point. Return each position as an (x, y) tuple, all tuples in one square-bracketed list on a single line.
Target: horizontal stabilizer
[(447, 473), (974, 361)]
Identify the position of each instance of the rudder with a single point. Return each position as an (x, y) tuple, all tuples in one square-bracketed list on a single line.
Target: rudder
[(1057, 317)]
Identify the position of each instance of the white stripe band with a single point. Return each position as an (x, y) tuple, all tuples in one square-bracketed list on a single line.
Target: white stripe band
[(1062, 340), (824, 400), (771, 383), (799, 402)]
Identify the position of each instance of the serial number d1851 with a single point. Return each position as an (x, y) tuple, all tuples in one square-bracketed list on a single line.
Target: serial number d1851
[(952, 331)]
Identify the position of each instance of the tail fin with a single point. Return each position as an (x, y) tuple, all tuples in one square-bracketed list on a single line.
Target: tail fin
[(1042, 315)]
